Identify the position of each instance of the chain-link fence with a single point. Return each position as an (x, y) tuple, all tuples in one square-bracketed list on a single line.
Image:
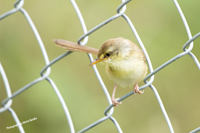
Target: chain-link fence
[(45, 72)]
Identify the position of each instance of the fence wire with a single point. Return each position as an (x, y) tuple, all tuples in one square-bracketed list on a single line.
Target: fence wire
[(7, 103)]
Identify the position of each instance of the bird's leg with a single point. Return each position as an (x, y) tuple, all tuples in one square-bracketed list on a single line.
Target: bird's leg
[(114, 101), (136, 89)]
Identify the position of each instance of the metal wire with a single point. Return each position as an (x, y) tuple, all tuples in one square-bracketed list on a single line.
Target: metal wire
[(195, 130), (7, 103)]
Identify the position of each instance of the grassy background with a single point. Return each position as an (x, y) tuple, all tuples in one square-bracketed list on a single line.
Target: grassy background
[(163, 34)]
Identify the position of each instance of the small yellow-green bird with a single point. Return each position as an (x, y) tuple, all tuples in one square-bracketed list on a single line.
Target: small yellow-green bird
[(125, 61)]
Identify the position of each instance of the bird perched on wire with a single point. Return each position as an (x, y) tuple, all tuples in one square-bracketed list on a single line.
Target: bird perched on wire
[(125, 61)]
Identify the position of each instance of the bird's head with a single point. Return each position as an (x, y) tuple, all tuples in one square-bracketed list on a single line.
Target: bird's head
[(113, 50)]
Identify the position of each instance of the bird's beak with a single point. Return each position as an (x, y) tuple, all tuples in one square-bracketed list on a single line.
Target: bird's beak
[(96, 61)]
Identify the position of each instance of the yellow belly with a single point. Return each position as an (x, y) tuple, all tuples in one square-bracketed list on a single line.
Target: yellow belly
[(127, 74)]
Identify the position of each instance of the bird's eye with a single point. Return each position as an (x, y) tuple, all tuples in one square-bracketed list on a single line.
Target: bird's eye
[(107, 55)]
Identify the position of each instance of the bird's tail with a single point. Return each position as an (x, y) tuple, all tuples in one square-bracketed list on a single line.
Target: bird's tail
[(71, 46)]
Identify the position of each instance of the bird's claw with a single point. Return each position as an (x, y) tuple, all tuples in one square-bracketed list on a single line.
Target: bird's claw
[(136, 89), (115, 102)]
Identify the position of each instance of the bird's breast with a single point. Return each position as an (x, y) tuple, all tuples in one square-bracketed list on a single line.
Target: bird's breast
[(126, 73)]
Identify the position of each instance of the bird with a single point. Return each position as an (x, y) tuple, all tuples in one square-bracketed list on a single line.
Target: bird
[(125, 61)]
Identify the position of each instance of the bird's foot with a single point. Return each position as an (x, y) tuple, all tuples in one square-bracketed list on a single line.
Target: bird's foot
[(115, 102), (136, 89)]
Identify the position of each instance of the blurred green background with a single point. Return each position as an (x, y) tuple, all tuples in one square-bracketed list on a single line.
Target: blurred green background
[(163, 34)]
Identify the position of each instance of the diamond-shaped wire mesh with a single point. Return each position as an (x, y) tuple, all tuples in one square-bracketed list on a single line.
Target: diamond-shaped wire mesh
[(9, 101)]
